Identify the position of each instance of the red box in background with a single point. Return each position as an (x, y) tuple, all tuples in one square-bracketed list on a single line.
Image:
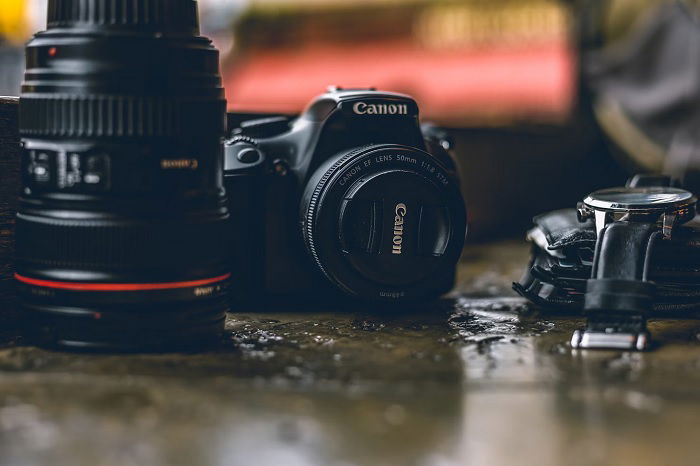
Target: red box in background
[(466, 63)]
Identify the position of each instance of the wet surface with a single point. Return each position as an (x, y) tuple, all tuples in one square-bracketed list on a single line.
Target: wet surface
[(478, 378)]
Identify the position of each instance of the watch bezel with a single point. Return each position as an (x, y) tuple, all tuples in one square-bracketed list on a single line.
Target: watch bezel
[(595, 201)]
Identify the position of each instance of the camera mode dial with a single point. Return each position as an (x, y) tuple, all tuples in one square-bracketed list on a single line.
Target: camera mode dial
[(241, 151)]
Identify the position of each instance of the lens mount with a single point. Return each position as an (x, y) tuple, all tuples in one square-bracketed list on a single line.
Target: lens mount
[(384, 222)]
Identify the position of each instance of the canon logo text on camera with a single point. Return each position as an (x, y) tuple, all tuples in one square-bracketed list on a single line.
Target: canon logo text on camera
[(363, 108)]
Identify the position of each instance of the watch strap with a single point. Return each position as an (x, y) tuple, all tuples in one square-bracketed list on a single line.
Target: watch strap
[(556, 277), (618, 295)]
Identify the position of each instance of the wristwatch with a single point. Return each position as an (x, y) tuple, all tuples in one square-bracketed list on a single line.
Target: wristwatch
[(629, 223)]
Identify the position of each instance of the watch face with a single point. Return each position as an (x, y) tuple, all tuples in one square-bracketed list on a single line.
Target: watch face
[(650, 199)]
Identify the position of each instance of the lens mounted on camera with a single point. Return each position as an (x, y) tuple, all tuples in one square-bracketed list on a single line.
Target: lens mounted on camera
[(384, 222)]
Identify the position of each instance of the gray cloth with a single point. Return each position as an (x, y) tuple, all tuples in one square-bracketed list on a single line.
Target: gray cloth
[(11, 69), (647, 90)]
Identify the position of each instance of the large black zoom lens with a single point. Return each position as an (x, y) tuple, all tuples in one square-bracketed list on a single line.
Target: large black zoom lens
[(122, 221)]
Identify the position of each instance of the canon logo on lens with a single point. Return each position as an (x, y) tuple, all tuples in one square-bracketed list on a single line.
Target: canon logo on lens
[(397, 242)]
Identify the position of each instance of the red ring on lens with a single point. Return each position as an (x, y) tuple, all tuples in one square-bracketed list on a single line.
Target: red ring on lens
[(119, 286)]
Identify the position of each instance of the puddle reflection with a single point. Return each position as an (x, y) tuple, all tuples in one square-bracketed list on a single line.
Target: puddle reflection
[(480, 381), (530, 399)]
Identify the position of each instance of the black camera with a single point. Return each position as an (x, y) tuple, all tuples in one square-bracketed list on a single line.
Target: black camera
[(352, 197), (123, 235)]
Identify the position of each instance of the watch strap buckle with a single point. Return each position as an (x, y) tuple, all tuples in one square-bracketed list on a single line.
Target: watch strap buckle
[(613, 332)]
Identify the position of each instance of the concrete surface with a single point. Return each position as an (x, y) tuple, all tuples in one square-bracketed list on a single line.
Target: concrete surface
[(475, 379)]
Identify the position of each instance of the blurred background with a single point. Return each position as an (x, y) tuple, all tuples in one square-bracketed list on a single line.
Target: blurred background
[(505, 76), (467, 62)]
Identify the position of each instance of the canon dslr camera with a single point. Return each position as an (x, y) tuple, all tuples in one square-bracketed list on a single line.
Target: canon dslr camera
[(350, 197)]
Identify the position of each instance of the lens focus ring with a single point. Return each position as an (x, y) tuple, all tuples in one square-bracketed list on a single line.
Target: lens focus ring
[(115, 116), (172, 15), (114, 244)]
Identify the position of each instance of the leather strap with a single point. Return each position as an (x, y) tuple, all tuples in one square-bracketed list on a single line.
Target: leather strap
[(618, 295), (562, 264), (618, 283), (619, 279), (622, 250)]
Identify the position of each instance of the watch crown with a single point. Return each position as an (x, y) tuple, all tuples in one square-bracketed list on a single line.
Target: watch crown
[(583, 213)]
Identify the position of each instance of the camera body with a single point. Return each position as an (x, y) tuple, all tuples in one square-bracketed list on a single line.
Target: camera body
[(350, 198)]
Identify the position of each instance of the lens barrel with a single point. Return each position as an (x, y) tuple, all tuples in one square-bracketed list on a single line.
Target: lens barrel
[(122, 224)]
